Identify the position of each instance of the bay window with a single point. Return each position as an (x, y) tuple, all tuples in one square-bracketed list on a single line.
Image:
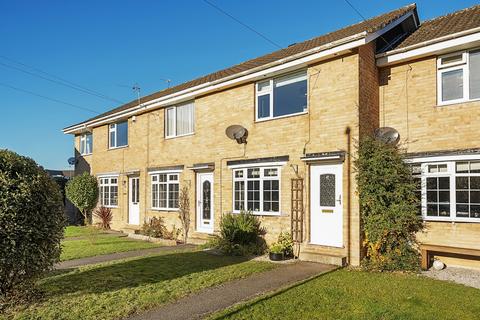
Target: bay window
[(86, 144), (458, 77), (257, 190), (118, 134), (109, 191), (179, 120), (165, 191), (281, 96)]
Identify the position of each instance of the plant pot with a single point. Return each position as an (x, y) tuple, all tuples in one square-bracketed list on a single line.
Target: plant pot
[(276, 256)]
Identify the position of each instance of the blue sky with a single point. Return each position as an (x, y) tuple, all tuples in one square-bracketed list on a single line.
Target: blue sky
[(107, 46)]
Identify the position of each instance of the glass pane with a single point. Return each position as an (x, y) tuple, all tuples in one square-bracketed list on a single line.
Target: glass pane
[(452, 85), (462, 167), (170, 122), (475, 167), (462, 183), (113, 142), (442, 168), (270, 172), (173, 177), (82, 145), (263, 106), (433, 168), (474, 211), (162, 195), (239, 174), (474, 74), (444, 196), (462, 210), (162, 177), (432, 196), (462, 197), (432, 210), (206, 208), (122, 134), (290, 98), (475, 197), (263, 86), (185, 119), (475, 183), (239, 195), (452, 59), (173, 195), (444, 183), (431, 183), (444, 210), (253, 173), (327, 190), (89, 143), (253, 195)]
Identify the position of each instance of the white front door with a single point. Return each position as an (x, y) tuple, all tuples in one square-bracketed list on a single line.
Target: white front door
[(205, 202), (134, 200), (326, 209)]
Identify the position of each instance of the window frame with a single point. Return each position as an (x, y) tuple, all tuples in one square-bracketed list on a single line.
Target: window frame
[(83, 140), (167, 183), (114, 129), (175, 107), (463, 65), (108, 185), (452, 174), (270, 92), (261, 178)]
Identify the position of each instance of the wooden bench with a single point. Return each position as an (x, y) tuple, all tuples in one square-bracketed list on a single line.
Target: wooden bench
[(429, 249)]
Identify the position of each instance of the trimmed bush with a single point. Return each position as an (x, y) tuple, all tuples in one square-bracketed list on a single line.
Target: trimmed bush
[(154, 228), (32, 223), (82, 191), (388, 206)]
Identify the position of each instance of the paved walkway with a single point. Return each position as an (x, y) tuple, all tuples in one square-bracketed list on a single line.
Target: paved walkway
[(208, 301), (118, 256)]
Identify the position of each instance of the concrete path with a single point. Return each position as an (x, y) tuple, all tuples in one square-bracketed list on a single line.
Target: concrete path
[(118, 256), (208, 301)]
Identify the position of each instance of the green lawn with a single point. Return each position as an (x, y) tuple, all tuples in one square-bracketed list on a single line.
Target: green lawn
[(91, 241), (345, 294), (119, 289)]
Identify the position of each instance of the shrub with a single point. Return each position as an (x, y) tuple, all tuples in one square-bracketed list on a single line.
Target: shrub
[(240, 234), (184, 211), (82, 191), (388, 207), (105, 216), (172, 235), (154, 228), (31, 224), (283, 245)]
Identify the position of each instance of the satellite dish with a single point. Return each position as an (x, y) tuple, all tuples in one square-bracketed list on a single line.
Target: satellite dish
[(237, 132), (72, 161), (387, 135)]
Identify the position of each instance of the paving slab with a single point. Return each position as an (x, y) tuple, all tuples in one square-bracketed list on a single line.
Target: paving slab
[(119, 256), (208, 301)]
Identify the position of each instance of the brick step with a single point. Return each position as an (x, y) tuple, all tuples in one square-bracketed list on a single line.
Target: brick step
[(130, 229), (315, 256), (198, 238)]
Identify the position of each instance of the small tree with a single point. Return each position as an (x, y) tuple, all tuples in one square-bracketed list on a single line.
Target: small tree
[(82, 191), (184, 211), (31, 224), (388, 206)]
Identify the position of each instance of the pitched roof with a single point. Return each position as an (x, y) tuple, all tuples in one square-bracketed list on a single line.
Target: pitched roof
[(443, 26), (370, 26)]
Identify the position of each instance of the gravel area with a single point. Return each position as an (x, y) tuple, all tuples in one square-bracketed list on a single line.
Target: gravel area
[(467, 277)]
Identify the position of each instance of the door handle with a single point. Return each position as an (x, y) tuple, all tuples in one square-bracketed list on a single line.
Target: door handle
[(339, 200)]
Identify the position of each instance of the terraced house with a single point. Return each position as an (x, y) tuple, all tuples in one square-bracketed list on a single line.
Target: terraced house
[(301, 110)]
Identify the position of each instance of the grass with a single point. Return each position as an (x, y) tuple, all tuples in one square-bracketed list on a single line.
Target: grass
[(80, 231), (119, 289), (345, 294)]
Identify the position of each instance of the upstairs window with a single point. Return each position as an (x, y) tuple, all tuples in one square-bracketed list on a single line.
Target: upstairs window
[(458, 77), (86, 144), (281, 96), (179, 120), (118, 134)]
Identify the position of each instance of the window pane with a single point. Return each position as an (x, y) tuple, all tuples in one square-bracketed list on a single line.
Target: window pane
[(444, 210), (462, 196), (462, 167), (290, 98), (173, 195), (162, 177), (462, 183), (273, 172), (122, 134), (239, 174), (162, 196), (452, 59), (475, 182), (185, 119), (113, 141), (475, 167), (253, 195), (170, 122), (475, 197), (474, 211), (462, 210), (474, 74), (82, 145), (253, 173), (113, 195), (444, 183), (239, 194), (263, 86), (263, 106), (327, 190), (452, 85), (432, 210), (89, 143)]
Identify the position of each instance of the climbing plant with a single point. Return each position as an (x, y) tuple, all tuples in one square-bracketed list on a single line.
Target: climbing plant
[(388, 207)]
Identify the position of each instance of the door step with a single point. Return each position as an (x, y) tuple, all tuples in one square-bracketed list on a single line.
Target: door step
[(199, 238), (323, 258), (130, 229)]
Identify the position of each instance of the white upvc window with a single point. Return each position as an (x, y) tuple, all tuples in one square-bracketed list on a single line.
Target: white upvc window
[(281, 96), (450, 190), (86, 144), (180, 120), (118, 134), (257, 189), (109, 191), (165, 191), (458, 77)]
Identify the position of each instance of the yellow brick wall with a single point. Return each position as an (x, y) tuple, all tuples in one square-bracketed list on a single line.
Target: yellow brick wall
[(332, 124), (408, 102)]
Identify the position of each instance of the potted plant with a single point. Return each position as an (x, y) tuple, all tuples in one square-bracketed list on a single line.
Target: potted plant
[(276, 252)]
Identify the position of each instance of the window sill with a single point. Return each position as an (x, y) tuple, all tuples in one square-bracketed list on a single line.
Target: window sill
[(86, 154), (282, 117), (456, 102), (165, 209), (180, 136), (116, 148), (453, 220), (266, 214), (111, 207)]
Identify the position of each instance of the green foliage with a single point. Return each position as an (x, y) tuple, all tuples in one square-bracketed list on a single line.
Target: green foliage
[(105, 216), (31, 224), (82, 191), (388, 206), (240, 234), (154, 228), (283, 245)]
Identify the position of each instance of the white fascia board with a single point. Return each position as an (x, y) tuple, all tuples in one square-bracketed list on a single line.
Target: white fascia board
[(453, 42), (272, 69), (444, 158), (257, 165)]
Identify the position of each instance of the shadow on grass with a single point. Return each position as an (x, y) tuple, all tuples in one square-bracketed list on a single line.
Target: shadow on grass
[(138, 272)]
